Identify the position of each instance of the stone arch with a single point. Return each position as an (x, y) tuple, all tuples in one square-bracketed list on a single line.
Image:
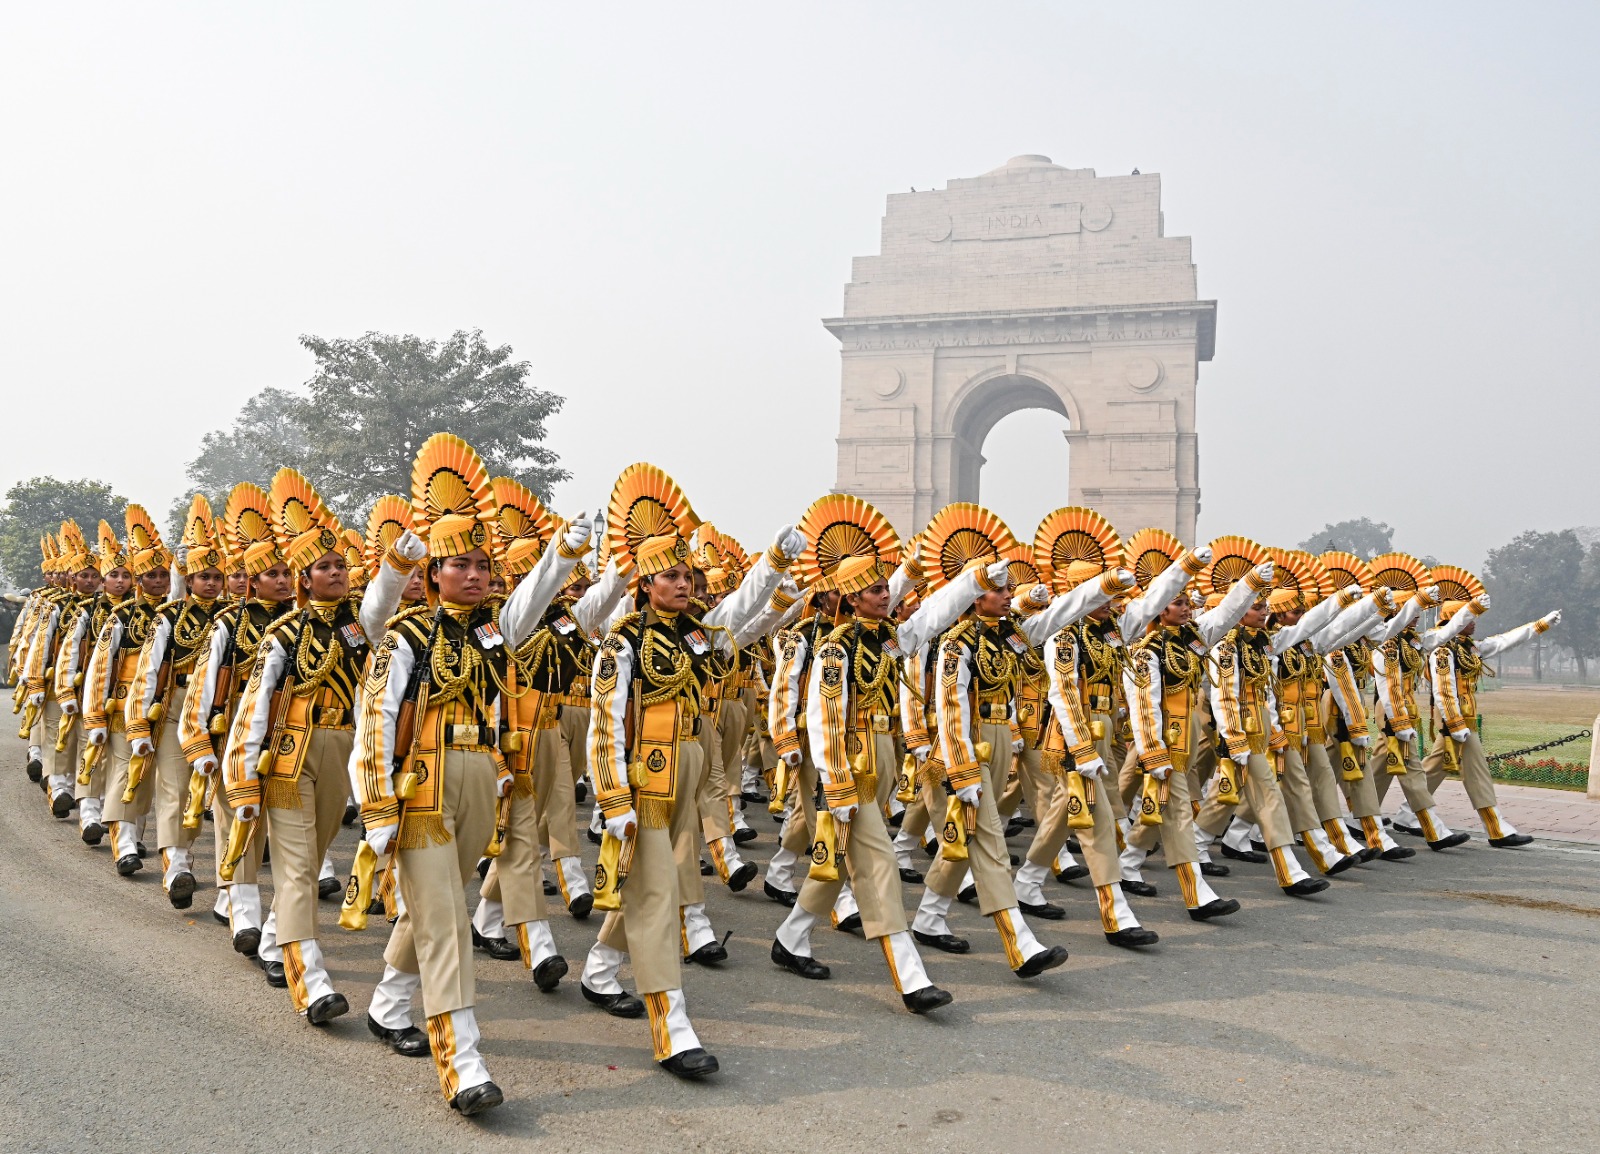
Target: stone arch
[(980, 404)]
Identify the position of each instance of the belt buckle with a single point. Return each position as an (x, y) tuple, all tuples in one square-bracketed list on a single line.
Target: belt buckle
[(880, 723), (329, 715), (464, 735)]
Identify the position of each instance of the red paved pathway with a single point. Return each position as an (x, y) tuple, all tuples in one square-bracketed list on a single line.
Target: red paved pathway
[(1557, 814)]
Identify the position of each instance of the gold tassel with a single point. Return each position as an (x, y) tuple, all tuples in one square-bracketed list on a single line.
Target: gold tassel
[(420, 830), (824, 867), (358, 891), (655, 812), (281, 793), (522, 785), (953, 833), (502, 818), (1078, 815)]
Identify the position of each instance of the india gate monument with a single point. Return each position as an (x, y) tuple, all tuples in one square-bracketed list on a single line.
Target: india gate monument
[(1030, 287)]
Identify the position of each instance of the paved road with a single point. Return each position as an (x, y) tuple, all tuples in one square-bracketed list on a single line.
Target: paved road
[(1430, 1005)]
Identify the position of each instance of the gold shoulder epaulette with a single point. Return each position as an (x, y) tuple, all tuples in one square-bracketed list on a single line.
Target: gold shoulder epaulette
[(405, 615), (840, 633), (963, 631), (279, 622)]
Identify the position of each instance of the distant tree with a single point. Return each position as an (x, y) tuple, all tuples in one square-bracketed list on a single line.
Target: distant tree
[(374, 400), (1362, 536), (1531, 575), (1580, 618), (38, 506)]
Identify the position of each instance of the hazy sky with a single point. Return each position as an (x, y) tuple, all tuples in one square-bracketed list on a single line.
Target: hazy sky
[(656, 204)]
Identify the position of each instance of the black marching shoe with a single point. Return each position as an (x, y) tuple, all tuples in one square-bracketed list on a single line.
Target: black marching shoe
[(1460, 837), (910, 876), (550, 887), (350, 811), (695, 1063), (220, 919), (93, 833), (710, 954), (623, 1005), (1072, 873), (1138, 889), (1042, 961), (744, 835), (949, 943), (705, 868), (1342, 864), (1400, 853), (327, 887), (795, 964), (1412, 830), (927, 999), (742, 876), (408, 1043), (582, 906), (1510, 841), (477, 1099), (275, 975), (247, 941), (483, 874), (968, 895), (1211, 869), (35, 769), (181, 892), (1305, 887), (850, 924), (1072, 844), (140, 848), (129, 864), (1366, 853), (1254, 857), (1014, 827), (782, 897), (61, 804), (1215, 908), (497, 948), (931, 848), (1049, 911), (592, 836), (1133, 937), (547, 974), (896, 820), (580, 791), (326, 1008)]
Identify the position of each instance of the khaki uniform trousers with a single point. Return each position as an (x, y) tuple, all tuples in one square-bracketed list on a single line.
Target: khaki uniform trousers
[(1475, 775), (65, 763), (1413, 782), (1361, 794), (248, 871), (301, 834), (1295, 784), (1176, 831), (1259, 784), (119, 755), (432, 937), (733, 720), (96, 785), (987, 855), (1324, 783), (557, 807), (648, 927), (1031, 784), (1099, 842), (868, 858), (712, 796), (687, 818), (801, 824), (513, 878), (171, 770)]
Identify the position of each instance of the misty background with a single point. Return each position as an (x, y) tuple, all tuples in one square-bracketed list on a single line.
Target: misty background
[(655, 208)]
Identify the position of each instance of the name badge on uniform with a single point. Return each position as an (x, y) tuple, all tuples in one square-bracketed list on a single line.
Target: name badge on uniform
[(352, 636), (563, 624), (488, 635), (697, 641)]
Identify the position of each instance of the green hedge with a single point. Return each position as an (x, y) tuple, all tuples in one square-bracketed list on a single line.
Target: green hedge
[(1544, 771)]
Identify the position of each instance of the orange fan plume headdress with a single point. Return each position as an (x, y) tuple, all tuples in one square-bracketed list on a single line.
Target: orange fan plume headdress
[(649, 521), (145, 551), (1074, 544), (1149, 553), (452, 498), (389, 517), (525, 526), (1401, 573), (960, 536), (198, 529), (1346, 569), (850, 545), (247, 523)]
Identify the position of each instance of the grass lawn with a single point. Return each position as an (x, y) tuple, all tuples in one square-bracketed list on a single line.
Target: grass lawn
[(1516, 716)]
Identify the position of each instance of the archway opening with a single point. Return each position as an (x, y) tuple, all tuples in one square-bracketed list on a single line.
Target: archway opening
[(1024, 468)]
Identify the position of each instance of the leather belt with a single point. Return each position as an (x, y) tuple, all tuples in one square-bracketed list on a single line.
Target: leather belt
[(467, 735), (994, 710)]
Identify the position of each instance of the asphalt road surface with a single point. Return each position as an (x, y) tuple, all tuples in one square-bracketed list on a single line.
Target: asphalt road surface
[(1447, 1003)]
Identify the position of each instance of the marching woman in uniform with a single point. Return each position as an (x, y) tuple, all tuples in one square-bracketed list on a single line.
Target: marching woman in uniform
[(428, 763), (72, 670)]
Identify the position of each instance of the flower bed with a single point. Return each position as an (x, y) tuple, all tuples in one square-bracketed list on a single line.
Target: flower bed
[(1540, 771)]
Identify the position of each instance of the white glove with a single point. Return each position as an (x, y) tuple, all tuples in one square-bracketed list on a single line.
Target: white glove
[(410, 546), (622, 826), (921, 753), (69, 706), (36, 698), (1039, 595), (1016, 745), (1265, 570), (1483, 601), (1160, 772), (141, 747), (1550, 619), (1406, 734), (97, 737), (1459, 738), (789, 541), (1125, 578), (379, 836), (206, 765), (1092, 768), (1203, 554), (1361, 742), (250, 812), (1241, 758), (1431, 592), (969, 794), (998, 573), (181, 555), (842, 812), (579, 532), (503, 785), (793, 759)]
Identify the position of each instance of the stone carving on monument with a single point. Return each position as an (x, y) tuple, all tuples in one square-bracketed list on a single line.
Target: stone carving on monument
[(1032, 286)]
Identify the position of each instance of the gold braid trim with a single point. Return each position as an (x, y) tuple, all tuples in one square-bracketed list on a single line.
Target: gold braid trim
[(418, 831)]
